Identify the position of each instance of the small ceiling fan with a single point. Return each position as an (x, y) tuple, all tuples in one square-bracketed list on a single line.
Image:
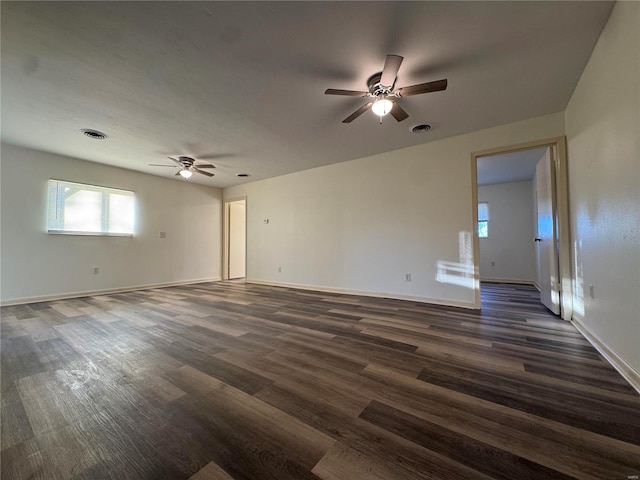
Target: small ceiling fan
[(381, 90), (187, 167)]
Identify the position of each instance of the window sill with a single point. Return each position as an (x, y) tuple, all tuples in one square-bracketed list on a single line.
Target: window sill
[(89, 234)]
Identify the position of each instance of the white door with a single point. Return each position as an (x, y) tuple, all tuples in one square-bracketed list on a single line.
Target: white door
[(237, 239), (546, 234)]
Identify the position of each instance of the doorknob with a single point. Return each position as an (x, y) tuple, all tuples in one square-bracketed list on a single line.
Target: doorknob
[(537, 239)]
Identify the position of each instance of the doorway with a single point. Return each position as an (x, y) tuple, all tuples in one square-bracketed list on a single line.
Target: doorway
[(235, 257), (545, 245)]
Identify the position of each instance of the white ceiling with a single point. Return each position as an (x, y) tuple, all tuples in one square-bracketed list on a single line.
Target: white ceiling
[(509, 167), (243, 83)]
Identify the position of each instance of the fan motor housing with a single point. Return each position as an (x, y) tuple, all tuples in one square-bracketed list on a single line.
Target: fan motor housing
[(375, 87)]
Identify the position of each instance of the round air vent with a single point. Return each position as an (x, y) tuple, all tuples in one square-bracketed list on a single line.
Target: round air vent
[(95, 134), (421, 128)]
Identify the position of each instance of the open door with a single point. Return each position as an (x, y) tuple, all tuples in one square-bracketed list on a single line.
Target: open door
[(546, 234), (237, 249)]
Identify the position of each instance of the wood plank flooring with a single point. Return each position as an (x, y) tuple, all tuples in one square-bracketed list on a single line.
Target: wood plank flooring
[(227, 380)]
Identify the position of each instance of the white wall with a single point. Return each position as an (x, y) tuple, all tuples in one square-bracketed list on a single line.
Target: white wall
[(603, 132), (362, 225), (36, 264), (510, 243)]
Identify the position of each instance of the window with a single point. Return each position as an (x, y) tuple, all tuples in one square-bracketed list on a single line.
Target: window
[(483, 219), (80, 209)]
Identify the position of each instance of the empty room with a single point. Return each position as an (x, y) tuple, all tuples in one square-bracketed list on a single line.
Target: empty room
[(320, 240)]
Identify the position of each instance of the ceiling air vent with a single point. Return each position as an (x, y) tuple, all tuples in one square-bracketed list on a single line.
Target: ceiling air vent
[(421, 128), (95, 134)]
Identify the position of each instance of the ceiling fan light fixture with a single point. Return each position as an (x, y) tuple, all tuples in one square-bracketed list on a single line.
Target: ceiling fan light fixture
[(382, 86), (382, 106), (185, 173)]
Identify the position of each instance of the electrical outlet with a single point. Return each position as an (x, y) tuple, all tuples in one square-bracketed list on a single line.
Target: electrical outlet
[(163, 234), (591, 294), (407, 277), (96, 270), (279, 269)]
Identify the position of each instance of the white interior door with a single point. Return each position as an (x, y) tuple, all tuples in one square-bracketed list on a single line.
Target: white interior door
[(546, 234), (237, 239)]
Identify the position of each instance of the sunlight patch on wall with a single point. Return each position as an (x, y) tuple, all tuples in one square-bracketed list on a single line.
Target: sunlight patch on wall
[(463, 272), (578, 282)]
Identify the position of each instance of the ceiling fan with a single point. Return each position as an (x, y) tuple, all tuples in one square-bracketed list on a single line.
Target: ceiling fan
[(381, 90), (187, 167)]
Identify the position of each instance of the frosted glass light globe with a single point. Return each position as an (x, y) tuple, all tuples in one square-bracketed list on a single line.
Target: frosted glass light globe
[(382, 106)]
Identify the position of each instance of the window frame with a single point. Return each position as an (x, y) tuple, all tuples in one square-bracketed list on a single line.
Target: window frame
[(105, 193), (482, 220)]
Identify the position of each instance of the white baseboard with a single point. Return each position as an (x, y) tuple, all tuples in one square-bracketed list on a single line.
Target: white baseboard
[(626, 370), (364, 293), (506, 280), (91, 293)]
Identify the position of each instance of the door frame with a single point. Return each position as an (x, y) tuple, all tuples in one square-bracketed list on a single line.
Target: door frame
[(558, 146), (226, 234)]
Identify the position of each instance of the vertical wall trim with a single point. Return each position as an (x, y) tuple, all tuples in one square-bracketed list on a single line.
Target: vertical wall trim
[(564, 228), (474, 229)]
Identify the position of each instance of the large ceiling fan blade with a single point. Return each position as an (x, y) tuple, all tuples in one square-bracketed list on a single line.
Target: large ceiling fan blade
[(390, 70), (161, 165), (436, 86), (205, 166), (348, 93), (178, 173), (176, 160), (202, 172), (357, 113), (398, 112)]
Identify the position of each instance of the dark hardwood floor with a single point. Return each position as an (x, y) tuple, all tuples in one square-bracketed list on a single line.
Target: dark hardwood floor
[(234, 381)]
